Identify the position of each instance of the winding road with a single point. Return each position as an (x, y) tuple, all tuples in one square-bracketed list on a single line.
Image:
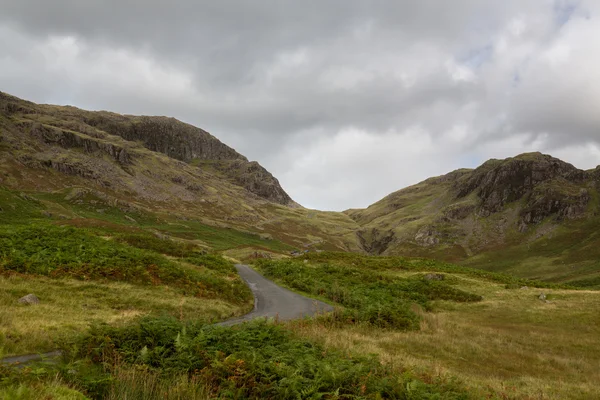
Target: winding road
[(273, 301), (270, 301)]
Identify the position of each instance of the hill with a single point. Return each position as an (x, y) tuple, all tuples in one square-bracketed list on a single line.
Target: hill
[(532, 215), (82, 166)]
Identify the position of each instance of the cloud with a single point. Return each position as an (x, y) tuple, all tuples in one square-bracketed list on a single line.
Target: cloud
[(344, 101)]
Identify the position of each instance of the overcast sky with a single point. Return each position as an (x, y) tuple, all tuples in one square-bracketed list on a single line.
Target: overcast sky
[(344, 101)]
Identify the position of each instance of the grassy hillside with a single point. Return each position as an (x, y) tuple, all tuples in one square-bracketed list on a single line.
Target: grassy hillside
[(79, 164), (532, 216)]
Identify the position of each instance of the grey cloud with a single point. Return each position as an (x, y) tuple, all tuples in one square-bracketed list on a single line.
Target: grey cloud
[(280, 81)]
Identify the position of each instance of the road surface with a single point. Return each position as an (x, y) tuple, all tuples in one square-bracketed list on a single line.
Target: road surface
[(273, 301)]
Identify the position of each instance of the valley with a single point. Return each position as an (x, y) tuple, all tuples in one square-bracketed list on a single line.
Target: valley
[(128, 228)]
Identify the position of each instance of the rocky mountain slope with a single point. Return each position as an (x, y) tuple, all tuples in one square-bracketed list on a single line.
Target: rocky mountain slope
[(65, 156), (532, 215), (520, 214)]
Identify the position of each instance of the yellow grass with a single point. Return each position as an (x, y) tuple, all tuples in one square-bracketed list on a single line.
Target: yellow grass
[(511, 345), (69, 306)]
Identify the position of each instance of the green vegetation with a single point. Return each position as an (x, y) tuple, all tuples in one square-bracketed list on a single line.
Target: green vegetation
[(257, 360), (367, 296), (69, 252), (509, 345)]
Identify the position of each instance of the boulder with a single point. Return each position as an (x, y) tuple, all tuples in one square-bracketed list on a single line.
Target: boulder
[(29, 299), (435, 277), (542, 297)]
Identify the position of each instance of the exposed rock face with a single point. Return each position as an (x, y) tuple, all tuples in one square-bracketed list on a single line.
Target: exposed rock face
[(168, 136), (427, 236), (187, 143), (375, 241), (255, 178), (501, 182), (543, 181), (68, 139)]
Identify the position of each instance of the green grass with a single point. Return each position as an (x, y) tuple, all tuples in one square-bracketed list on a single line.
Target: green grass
[(69, 252), (367, 296), (219, 238), (256, 360), (383, 264)]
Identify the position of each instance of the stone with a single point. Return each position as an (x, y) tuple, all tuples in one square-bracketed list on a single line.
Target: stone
[(542, 297), (524, 287), (435, 277), (29, 299)]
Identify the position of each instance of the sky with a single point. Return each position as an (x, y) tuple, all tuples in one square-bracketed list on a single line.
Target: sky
[(344, 101)]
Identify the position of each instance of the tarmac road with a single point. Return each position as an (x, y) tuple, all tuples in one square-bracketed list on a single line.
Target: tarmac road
[(273, 301)]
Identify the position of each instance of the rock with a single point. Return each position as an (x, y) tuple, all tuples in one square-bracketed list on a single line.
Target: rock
[(29, 299), (542, 297), (435, 277), (375, 241), (524, 287)]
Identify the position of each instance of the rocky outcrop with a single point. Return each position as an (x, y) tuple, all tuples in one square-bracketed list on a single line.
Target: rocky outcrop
[(68, 139), (375, 241), (257, 180), (501, 182), (546, 202), (169, 136), (94, 132), (187, 143)]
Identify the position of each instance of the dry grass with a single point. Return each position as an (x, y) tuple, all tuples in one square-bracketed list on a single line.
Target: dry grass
[(54, 389), (69, 306), (510, 346)]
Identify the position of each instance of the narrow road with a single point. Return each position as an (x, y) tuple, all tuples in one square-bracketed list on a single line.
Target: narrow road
[(270, 301), (273, 301)]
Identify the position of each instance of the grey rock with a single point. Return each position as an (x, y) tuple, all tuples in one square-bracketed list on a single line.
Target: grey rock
[(30, 299), (542, 297), (435, 277)]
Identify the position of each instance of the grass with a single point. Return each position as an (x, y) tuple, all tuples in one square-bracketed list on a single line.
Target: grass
[(41, 391), (69, 252), (258, 360), (69, 306), (568, 254), (510, 345), (82, 277), (366, 296)]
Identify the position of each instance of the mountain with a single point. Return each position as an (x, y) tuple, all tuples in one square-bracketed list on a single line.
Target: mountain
[(532, 215), (64, 158)]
